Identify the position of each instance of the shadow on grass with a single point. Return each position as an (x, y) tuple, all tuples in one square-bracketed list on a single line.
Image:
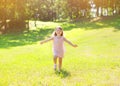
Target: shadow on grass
[(62, 73), (13, 40)]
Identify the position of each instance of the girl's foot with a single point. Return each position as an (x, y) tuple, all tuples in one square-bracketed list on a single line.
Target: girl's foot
[(59, 70)]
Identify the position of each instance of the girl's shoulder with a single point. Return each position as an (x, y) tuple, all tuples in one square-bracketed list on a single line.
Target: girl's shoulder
[(64, 37), (52, 37)]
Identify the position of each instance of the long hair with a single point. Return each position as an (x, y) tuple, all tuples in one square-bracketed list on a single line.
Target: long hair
[(55, 34)]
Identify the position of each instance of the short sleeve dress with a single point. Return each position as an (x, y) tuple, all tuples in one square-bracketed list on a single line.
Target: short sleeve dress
[(58, 46)]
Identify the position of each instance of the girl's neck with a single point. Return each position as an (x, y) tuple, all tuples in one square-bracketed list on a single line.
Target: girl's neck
[(58, 35)]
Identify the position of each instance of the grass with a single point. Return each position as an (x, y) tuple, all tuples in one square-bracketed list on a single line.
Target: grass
[(95, 62)]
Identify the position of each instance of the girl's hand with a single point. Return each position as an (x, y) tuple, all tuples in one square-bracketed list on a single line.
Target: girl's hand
[(75, 45)]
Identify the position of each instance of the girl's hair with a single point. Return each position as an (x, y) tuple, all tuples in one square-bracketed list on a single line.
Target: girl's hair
[(59, 27)]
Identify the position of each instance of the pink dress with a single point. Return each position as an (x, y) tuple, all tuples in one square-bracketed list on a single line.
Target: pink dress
[(58, 46)]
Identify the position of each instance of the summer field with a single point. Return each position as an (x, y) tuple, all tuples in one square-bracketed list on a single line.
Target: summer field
[(95, 62)]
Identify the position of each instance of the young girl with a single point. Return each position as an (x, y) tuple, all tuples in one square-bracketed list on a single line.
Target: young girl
[(58, 46)]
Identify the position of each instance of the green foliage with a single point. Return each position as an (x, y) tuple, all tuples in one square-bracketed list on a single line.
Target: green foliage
[(52, 9)]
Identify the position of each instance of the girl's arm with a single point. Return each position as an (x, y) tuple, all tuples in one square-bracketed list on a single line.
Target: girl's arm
[(44, 41), (74, 45)]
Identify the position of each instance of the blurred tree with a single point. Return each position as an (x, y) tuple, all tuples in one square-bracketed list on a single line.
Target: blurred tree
[(78, 8), (14, 13)]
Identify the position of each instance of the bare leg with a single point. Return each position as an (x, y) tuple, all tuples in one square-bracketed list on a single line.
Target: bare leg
[(60, 63), (55, 62)]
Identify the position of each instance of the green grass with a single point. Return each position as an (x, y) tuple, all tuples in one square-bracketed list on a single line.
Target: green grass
[(95, 62)]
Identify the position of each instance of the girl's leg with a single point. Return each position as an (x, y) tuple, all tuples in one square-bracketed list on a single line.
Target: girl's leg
[(55, 62), (60, 63)]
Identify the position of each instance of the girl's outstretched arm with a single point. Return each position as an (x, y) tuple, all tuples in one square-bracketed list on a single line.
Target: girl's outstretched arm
[(44, 41), (74, 45)]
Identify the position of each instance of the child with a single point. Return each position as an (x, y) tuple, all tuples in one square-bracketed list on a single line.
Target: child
[(58, 46)]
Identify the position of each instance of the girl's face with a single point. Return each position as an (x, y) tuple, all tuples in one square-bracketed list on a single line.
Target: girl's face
[(58, 31)]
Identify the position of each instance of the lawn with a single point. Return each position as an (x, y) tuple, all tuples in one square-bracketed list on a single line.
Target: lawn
[(95, 62)]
